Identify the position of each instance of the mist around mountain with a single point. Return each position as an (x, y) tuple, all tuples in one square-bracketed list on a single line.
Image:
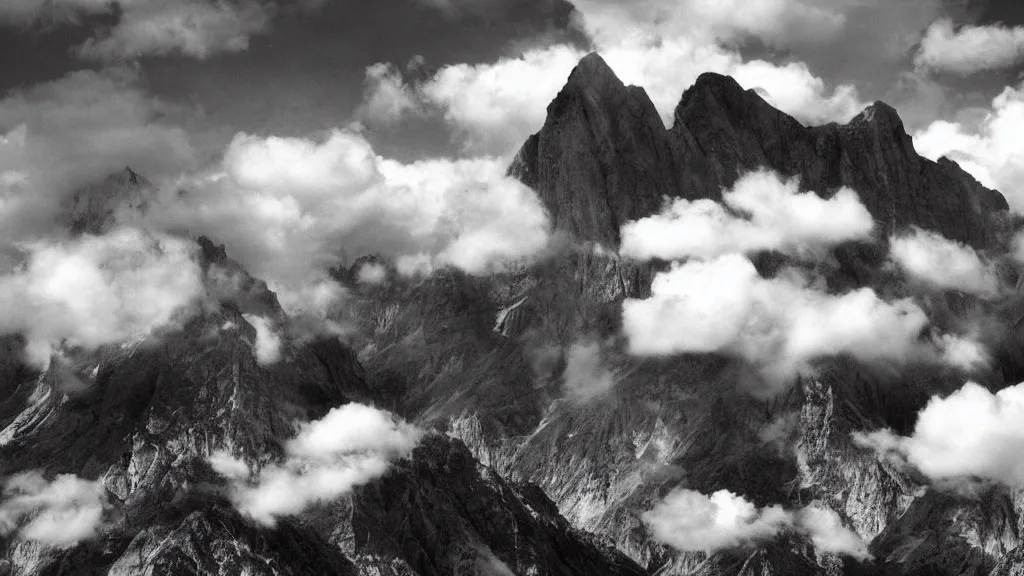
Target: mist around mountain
[(734, 346)]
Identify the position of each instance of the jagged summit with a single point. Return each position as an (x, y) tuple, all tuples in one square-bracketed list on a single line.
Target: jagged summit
[(604, 157), (94, 208), (128, 176), (593, 67), (878, 112)]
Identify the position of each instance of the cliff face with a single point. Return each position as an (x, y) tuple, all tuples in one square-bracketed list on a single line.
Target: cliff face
[(518, 476), (603, 157), (145, 416)]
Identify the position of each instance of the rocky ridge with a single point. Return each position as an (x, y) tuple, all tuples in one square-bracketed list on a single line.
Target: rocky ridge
[(527, 481)]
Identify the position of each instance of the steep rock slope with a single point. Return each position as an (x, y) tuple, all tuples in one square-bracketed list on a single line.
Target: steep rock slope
[(604, 157), (143, 417)]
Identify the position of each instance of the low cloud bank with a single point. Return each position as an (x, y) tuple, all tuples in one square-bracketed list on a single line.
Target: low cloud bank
[(96, 290), (970, 49), (290, 208), (350, 446), (690, 521), (989, 149), (780, 325), (972, 434), (930, 258), (762, 212), (60, 513)]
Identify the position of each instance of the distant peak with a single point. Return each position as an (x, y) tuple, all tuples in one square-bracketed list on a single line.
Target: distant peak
[(594, 64), (592, 70), (127, 176), (593, 79), (711, 91), (878, 113), (718, 83)]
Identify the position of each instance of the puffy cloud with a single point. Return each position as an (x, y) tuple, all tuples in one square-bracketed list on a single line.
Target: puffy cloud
[(388, 98), (793, 89), (661, 46), (776, 22), (586, 375), (989, 151), (98, 290), (970, 49), (963, 352), (971, 434), (57, 136), (761, 212), (496, 106), (58, 513), (192, 28), (370, 273), (780, 325), (268, 341), (828, 534), (690, 521), (289, 208), (350, 446), (933, 259)]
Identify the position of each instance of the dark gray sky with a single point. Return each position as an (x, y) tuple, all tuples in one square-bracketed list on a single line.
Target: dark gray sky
[(307, 73)]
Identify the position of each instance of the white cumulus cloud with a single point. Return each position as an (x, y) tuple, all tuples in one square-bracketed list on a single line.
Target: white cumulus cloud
[(690, 521), (372, 274), (59, 135), (990, 150), (350, 446), (658, 45), (387, 98), (969, 49), (290, 208), (98, 290), (60, 513), (761, 212), (972, 434), (780, 325), (933, 259), (828, 534)]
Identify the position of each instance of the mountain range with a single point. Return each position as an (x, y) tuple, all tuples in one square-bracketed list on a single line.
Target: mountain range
[(514, 471)]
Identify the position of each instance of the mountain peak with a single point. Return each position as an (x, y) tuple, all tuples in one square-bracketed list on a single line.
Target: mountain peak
[(593, 80), (878, 113), (132, 176), (604, 158), (95, 207), (596, 127), (718, 83), (592, 66)]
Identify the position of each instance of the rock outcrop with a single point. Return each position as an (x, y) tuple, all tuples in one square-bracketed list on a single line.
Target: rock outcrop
[(604, 157)]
